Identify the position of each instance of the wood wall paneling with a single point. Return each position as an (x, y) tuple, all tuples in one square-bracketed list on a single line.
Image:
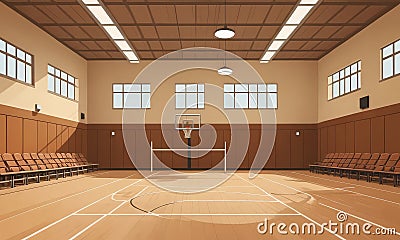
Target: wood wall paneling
[(378, 134), (340, 138), (71, 141), (92, 146), (78, 141), (14, 134), (310, 147), (117, 146), (52, 138), (282, 154), (104, 151), (296, 149), (30, 135), (350, 137), (392, 133), (363, 135), (3, 134), (42, 141), (331, 139)]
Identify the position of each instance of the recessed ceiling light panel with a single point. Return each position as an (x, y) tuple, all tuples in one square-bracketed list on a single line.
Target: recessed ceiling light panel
[(268, 55), (100, 14), (276, 45), (123, 45), (285, 32), (224, 33), (114, 32), (299, 14)]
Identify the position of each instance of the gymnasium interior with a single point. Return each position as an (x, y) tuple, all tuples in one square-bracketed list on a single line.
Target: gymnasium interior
[(199, 119)]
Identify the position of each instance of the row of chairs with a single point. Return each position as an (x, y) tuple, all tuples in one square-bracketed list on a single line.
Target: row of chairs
[(15, 168), (375, 166)]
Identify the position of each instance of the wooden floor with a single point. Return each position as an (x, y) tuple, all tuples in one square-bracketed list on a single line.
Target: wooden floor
[(97, 206)]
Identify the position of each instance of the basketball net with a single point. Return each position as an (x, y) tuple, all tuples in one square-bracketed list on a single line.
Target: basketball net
[(187, 131)]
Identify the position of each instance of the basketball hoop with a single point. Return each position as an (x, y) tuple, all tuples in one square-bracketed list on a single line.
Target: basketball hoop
[(187, 132)]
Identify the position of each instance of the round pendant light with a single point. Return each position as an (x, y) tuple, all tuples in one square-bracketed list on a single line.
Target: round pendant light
[(224, 33), (225, 71)]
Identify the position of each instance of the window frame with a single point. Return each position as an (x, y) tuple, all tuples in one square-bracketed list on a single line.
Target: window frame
[(123, 96), (197, 95), (357, 74), (393, 55), (61, 80), (5, 52), (248, 92)]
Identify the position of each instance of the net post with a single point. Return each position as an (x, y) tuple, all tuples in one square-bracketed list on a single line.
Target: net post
[(225, 156), (151, 156)]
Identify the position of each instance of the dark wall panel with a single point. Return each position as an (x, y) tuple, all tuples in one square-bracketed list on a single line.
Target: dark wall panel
[(324, 142), (71, 141), (3, 134), (378, 134), (42, 143), (283, 148), (340, 135), (64, 139), (103, 143), (392, 133), (310, 147), (350, 141), (363, 135), (78, 141), (297, 149), (331, 139), (52, 137), (14, 134), (30, 135), (92, 146), (117, 146)]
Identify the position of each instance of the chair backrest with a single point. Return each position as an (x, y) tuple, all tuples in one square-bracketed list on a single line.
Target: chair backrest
[(81, 155), (391, 163), (59, 155), (21, 162), (41, 156), (363, 161), (53, 155), (3, 166), (28, 159), (10, 162), (69, 155), (63, 155), (372, 161), (40, 163), (34, 156), (47, 155)]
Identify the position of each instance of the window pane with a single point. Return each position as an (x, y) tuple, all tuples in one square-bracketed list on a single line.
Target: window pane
[(2, 45), (347, 85), (240, 87), (191, 87), (117, 100), (359, 80), (342, 73), (71, 91), (11, 67), (180, 100), (335, 76), (341, 87), (262, 88), (387, 51), (180, 88), (397, 46), (272, 100), (253, 100), (329, 92), (2, 63), (21, 54), (117, 87), (145, 87), (387, 67), (200, 87), (21, 71), (132, 100), (335, 89), (50, 69), (57, 72), (253, 87), (63, 76), (11, 49), (28, 77), (228, 100), (200, 103), (145, 100), (228, 88), (28, 58), (272, 87), (50, 83), (136, 88), (127, 87), (347, 71), (191, 100), (397, 64), (71, 79), (64, 88), (241, 100), (359, 65), (353, 82), (58, 85), (354, 68), (329, 80), (262, 100)]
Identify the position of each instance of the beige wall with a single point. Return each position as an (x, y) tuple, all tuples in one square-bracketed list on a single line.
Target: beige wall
[(22, 33), (297, 91), (364, 46)]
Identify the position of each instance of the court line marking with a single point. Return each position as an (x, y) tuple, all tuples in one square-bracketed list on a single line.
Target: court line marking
[(359, 218), (358, 185), (77, 211), (62, 199), (189, 214), (306, 217), (101, 218), (357, 193)]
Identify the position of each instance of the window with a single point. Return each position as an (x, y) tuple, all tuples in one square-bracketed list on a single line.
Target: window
[(189, 95), (15, 63), (391, 60), (251, 96), (131, 95), (344, 81), (61, 83)]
